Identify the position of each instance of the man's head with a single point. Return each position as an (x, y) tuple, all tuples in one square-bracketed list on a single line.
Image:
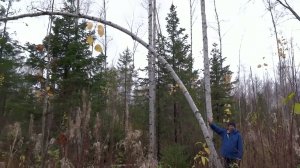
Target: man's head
[(230, 126)]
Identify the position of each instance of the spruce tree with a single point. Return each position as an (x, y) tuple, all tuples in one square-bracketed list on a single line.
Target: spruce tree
[(221, 86), (172, 106), (126, 74)]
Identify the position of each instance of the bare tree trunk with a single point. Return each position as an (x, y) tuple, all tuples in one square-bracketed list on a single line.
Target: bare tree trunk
[(105, 35), (77, 8), (126, 115), (44, 119), (212, 157), (45, 126), (191, 23), (239, 86), (164, 63), (219, 28), (281, 67), (30, 126), (152, 84)]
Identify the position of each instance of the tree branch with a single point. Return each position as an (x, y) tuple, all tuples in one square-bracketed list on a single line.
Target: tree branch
[(188, 97), (287, 6)]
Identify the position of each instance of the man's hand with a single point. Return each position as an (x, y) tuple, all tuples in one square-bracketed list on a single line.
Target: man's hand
[(210, 120)]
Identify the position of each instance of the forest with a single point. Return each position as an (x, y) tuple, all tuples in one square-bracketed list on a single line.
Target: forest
[(63, 104)]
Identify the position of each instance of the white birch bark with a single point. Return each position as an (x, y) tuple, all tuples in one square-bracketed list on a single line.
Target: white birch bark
[(152, 94), (212, 157)]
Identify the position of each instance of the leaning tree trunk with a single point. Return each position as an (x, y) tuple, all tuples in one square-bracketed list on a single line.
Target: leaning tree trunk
[(212, 157), (152, 96), (164, 63)]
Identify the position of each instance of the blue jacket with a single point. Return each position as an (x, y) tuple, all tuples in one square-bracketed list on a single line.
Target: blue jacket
[(232, 143)]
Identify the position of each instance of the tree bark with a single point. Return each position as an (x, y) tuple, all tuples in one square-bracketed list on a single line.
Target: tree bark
[(165, 64), (152, 95), (105, 36), (191, 25), (219, 28), (281, 90), (212, 156), (45, 118)]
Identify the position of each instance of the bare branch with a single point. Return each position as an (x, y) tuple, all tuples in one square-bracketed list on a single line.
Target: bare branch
[(288, 7)]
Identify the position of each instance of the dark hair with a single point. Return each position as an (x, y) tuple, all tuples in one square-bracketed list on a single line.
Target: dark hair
[(231, 123)]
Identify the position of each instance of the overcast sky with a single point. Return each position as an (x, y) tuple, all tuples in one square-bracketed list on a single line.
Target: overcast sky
[(243, 23)]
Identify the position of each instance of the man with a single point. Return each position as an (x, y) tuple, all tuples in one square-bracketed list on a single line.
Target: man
[(232, 144)]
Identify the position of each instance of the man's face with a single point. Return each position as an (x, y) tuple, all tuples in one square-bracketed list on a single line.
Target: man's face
[(230, 128)]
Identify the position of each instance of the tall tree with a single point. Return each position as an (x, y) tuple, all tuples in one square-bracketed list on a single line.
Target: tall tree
[(171, 105), (8, 57), (152, 86), (68, 70), (214, 158), (126, 74), (221, 86), (176, 50), (177, 136)]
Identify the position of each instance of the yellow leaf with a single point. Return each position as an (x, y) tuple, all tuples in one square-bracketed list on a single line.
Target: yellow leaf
[(100, 30), (289, 97), (38, 93), (227, 105), (207, 159), (197, 143), (227, 111), (98, 48), (50, 94), (89, 25), (90, 40), (22, 158), (297, 108), (203, 160), (207, 150)]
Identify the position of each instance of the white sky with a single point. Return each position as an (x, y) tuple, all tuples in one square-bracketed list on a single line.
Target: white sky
[(243, 22)]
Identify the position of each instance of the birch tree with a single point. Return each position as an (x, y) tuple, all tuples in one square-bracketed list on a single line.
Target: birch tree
[(207, 76), (152, 94)]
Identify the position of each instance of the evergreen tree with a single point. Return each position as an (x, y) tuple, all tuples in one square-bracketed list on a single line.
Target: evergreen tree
[(126, 74), (72, 70), (15, 95), (172, 106), (72, 66), (221, 86)]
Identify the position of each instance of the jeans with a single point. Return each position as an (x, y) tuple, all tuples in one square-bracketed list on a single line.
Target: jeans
[(231, 163)]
